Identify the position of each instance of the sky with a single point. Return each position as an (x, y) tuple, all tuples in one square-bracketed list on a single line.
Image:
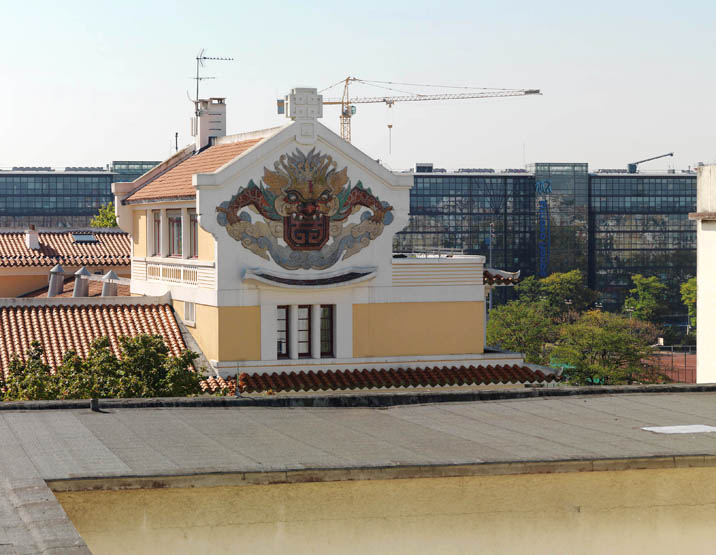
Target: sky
[(85, 83)]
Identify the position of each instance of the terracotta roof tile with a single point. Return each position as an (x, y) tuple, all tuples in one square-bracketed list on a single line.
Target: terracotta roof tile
[(59, 247), (176, 183), (62, 327), (336, 380), (94, 289), (500, 277)]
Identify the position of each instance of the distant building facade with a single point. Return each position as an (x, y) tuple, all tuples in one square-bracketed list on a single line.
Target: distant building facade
[(556, 217), (67, 197)]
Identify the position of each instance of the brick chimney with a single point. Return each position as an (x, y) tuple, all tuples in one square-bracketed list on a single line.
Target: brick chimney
[(209, 121), (32, 238)]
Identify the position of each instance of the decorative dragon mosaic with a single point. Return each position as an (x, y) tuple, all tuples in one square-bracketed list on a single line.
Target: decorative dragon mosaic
[(305, 204)]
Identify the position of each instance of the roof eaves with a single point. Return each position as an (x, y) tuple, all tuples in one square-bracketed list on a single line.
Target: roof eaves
[(158, 199), (178, 158)]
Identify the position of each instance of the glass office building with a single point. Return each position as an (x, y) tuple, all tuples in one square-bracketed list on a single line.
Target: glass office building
[(639, 225), (69, 197), (556, 217)]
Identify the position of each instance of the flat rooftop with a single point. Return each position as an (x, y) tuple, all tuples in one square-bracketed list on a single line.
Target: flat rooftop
[(74, 449)]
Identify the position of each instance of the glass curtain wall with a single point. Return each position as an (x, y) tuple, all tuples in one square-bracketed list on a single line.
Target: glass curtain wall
[(453, 213), (639, 225)]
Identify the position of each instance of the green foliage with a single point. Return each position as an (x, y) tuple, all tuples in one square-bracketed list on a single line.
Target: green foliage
[(606, 348), (561, 292), (522, 327), (144, 369), (648, 300), (105, 217), (688, 297)]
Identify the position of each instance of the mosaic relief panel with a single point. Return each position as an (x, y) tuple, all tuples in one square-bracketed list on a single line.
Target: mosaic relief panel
[(298, 213)]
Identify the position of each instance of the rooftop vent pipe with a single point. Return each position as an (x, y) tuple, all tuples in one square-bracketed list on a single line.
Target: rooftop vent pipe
[(81, 283), (57, 281), (109, 284)]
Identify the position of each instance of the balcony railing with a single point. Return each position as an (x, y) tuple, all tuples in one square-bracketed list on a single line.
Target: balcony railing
[(183, 273)]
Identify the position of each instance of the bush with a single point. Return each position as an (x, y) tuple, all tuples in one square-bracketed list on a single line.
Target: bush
[(144, 369)]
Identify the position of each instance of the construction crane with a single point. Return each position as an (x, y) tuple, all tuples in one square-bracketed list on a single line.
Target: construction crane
[(348, 110), (631, 168)]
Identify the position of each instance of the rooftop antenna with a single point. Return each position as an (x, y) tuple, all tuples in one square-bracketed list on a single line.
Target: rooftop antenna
[(201, 57)]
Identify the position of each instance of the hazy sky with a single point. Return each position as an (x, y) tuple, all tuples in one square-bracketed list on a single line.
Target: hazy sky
[(84, 83)]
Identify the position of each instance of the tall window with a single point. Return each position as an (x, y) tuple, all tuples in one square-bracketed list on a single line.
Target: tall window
[(174, 225), (327, 330), (282, 332), (304, 331), (193, 234), (156, 232)]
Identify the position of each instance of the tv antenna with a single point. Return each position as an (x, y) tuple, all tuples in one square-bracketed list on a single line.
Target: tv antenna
[(201, 57)]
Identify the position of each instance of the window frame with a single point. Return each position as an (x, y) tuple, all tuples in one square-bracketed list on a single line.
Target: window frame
[(156, 232), (193, 233), (286, 331), (190, 313), (175, 239), (330, 332)]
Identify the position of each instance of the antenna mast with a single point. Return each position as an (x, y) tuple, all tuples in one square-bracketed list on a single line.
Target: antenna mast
[(200, 59)]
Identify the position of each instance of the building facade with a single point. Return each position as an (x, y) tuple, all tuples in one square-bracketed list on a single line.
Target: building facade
[(277, 249), (557, 217), (67, 197)]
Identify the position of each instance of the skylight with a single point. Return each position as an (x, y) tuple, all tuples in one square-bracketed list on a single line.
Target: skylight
[(84, 238)]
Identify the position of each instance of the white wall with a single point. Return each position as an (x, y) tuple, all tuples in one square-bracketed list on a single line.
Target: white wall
[(705, 272)]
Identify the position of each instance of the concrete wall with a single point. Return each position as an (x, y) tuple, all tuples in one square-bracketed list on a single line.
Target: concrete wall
[(705, 272), (405, 329), (630, 512)]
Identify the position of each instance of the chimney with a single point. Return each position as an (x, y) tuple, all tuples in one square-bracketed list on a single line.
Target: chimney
[(109, 284), (32, 239), (57, 281), (81, 283), (209, 121)]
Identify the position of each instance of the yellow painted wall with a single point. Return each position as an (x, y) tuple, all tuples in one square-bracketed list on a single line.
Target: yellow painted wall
[(14, 285), (620, 512), (228, 332), (206, 245), (139, 232), (397, 329)]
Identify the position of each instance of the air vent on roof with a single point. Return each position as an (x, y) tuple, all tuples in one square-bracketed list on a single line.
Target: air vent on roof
[(84, 238), (32, 169)]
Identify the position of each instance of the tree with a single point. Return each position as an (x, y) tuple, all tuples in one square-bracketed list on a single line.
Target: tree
[(688, 297), (144, 369), (522, 327), (606, 348), (562, 292), (105, 217), (648, 300)]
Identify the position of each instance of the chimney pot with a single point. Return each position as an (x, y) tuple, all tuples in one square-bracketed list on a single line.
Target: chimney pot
[(109, 285), (81, 288), (57, 281)]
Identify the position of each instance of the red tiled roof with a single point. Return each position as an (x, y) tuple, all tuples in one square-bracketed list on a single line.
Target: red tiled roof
[(176, 183), (60, 327), (94, 289), (58, 247), (500, 277), (335, 380)]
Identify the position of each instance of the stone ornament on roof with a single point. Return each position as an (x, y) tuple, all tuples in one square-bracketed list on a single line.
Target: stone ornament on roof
[(305, 204)]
